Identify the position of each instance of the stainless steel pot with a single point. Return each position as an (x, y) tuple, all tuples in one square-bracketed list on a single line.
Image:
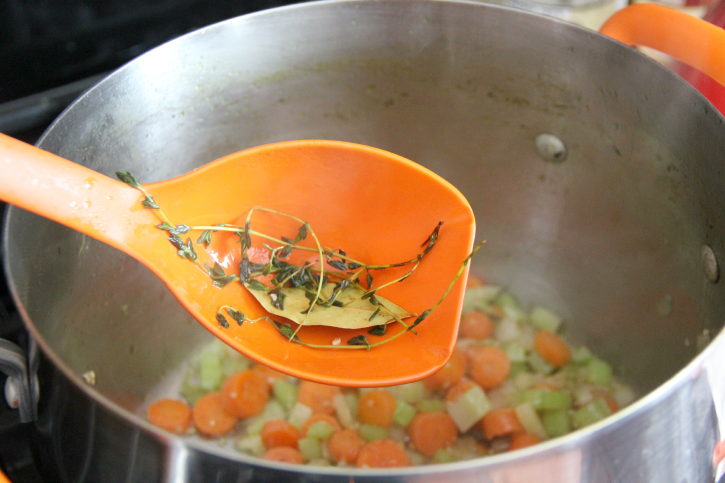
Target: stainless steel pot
[(620, 230)]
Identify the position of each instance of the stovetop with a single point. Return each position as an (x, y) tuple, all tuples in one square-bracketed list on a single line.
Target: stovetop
[(50, 53)]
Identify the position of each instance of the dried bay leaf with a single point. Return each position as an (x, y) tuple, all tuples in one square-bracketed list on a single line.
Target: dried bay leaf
[(356, 315)]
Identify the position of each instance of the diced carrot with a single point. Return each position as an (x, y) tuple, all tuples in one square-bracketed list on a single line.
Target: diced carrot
[(344, 446), (608, 398), (317, 418), (501, 422), (552, 348), (284, 454), (209, 415), (489, 366), (268, 374), (383, 453), (377, 407), (476, 325), (171, 415), (431, 431), (459, 389), (523, 440), (474, 281), (279, 433), (245, 394), (450, 373), (318, 397)]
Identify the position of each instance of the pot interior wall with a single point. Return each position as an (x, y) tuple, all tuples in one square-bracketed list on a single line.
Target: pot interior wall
[(610, 237)]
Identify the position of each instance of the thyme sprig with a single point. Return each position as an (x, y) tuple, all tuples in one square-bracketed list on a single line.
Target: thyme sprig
[(309, 276)]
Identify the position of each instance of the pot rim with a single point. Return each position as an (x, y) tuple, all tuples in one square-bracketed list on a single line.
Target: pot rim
[(555, 446)]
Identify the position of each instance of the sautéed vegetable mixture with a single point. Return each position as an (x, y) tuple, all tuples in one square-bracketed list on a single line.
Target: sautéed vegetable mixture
[(512, 382)]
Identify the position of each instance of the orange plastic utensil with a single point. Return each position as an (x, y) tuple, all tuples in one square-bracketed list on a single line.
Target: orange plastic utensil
[(686, 38), (375, 205)]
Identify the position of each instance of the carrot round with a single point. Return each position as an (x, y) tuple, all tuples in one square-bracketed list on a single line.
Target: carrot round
[(489, 366), (245, 394), (501, 422), (377, 407), (284, 454), (431, 431), (523, 440), (209, 416), (319, 418), (459, 389), (383, 453), (476, 325), (318, 397), (171, 415), (344, 446), (279, 433), (449, 374), (552, 348)]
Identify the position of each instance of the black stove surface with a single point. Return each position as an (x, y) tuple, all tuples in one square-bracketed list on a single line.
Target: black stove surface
[(51, 51)]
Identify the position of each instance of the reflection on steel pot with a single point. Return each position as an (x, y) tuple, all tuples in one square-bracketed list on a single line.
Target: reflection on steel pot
[(603, 236)]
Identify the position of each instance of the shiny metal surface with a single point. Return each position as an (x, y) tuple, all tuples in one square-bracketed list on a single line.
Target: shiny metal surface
[(611, 237)]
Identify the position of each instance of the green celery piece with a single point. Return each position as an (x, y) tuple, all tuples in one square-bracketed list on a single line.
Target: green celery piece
[(544, 399), (211, 371), (299, 415), (320, 430), (539, 364), (599, 372), (444, 455), (530, 420), (469, 408), (352, 402), (515, 352), (285, 392), (190, 389), (517, 368), (505, 299), (556, 422), (410, 393), (581, 354), (251, 445), (369, 432), (593, 412), (310, 448), (478, 298), (404, 413), (544, 319), (232, 365), (430, 405)]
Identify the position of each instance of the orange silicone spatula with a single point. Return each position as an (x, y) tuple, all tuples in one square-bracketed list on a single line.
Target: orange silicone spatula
[(376, 206)]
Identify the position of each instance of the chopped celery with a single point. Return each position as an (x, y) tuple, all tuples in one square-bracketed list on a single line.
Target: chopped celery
[(444, 455), (369, 432), (591, 413), (505, 299), (342, 411), (352, 402), (544, 319), (518, 368), (190, 389), (430, 405), (320, 430), (556, 422), (599, 372), (529, 419), (515, 312), (581, 354), (273, 410), (539, 364), (232, 365), (310, 448), (477, 298), (299, 414), (515, 352), (404, 413), (507, 330), (469, 408), (251, 445), (211, 371), (544, 399), (410, 393), (285, 392)]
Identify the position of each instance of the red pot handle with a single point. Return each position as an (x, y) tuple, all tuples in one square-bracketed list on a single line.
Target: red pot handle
[(684, 37)]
